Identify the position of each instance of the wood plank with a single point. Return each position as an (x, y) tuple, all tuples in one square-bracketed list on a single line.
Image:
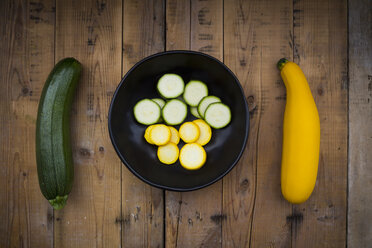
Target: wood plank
[(207, 27), (143, 205), (178, 25), (91, 32), (360, 123), (320, 37), (195, 214), (178, 37), (256, 37), (27, 56)]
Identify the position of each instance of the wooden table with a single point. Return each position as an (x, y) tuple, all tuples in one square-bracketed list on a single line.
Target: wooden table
[(108, 206)]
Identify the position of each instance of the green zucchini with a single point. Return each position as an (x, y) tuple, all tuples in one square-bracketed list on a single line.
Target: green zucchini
[(217, 115), (205, 102), (194, 112), (53, 147), (174, 112), (147, 112), (170, 86), (194, 92), (159, 101)]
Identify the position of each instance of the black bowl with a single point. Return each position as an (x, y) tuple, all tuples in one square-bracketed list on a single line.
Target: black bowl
[(227, 144)]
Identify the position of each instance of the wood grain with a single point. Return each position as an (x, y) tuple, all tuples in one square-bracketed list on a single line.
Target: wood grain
[(178, 24), (255, 38), (207, 27), (143, 205), (360, 123), (187, 215), (320, 48), (91, 32), (27, 56)]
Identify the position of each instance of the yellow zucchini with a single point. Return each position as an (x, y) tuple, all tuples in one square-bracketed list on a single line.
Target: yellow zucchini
[(205, 132), (168, 154), (175, 137), (189, 132), (192, 156), (301, 136), (160, 134), (147, 134)]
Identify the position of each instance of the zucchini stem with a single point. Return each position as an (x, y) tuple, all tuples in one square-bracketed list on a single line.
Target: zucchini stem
[(59, 202), (281, 63)]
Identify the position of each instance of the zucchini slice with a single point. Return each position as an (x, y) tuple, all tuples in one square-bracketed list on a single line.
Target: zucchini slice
[(147, 112), (189, 132), (174, 112), (192, 156), (204, 103), (194, 112), (170, 86), (168, 154), (159, 101), (161, 104), (175, 137), (194, 92), (160, 134), (218, 115), (147, 134), (205, 132)]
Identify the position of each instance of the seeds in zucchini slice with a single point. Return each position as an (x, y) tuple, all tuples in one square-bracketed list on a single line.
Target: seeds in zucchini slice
[(168, 154), (204, 103), (147, 112), (192, 156), (218, 115), (170, 85), (174, 112), (189, 132), (205, 132), (160, 134), (194, 92)]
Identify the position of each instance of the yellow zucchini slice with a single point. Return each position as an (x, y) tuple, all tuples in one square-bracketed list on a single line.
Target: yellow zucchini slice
[(189, 132), (205, 132), (192, 156), (168, 154), (175, 137), (160, 134), (147, 134)]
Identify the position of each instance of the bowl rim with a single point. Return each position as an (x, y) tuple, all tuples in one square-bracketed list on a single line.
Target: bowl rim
[(164, 187)]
